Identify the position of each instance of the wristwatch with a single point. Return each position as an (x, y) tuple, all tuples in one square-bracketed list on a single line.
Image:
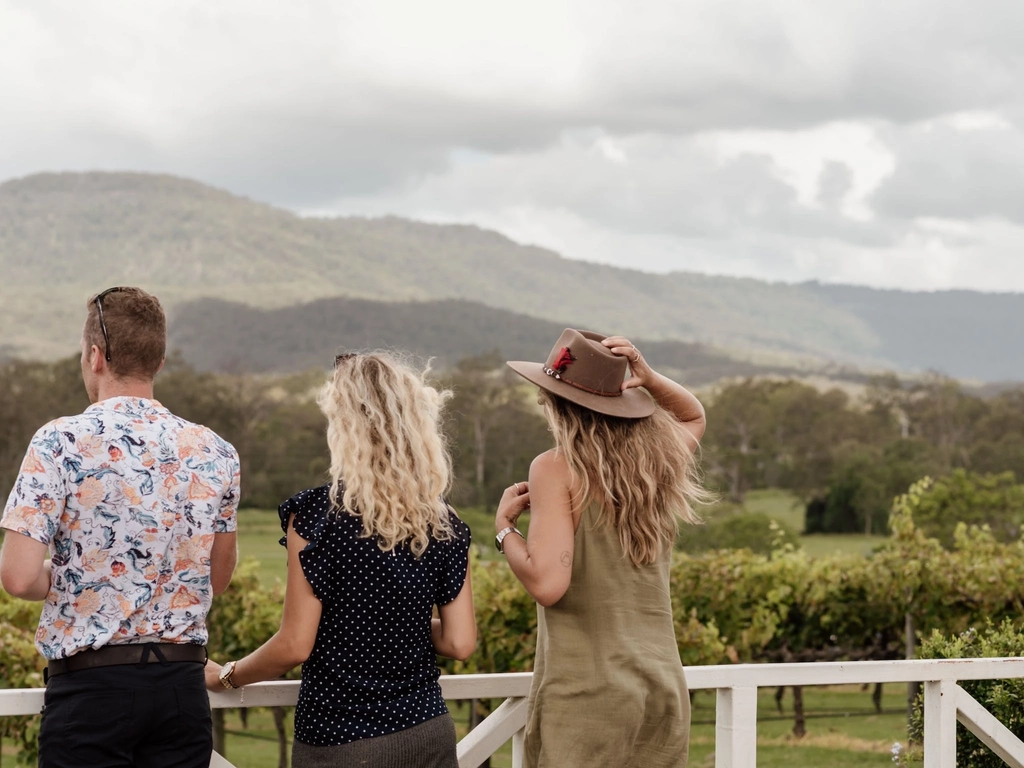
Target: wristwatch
[(225, 674), (503, 533)]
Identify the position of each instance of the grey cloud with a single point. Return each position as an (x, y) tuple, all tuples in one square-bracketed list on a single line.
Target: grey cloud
[(659, 185), (302, 128), (835, 182), (947, 173)]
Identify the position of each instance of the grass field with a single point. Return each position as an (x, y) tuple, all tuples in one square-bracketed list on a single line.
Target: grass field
[(259, 531), (258, 534), (787, 509)]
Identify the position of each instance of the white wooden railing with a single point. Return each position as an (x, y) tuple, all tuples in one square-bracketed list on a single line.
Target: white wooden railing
[(945, 703)]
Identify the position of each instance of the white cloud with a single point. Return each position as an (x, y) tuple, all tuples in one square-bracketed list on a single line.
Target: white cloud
[(801, 156)]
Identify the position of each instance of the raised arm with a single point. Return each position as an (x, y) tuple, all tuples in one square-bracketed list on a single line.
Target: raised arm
[(671, 396)]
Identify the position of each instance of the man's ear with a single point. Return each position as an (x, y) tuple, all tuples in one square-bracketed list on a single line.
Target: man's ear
[(97, 360), (161, 365)]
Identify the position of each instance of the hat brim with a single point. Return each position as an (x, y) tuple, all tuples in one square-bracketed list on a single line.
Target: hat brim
[(633, 403)]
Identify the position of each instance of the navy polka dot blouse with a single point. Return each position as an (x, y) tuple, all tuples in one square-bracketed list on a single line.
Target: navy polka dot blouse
[(373, 669)]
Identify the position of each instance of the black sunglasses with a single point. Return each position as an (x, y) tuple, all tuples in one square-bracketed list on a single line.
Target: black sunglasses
[(339, 359), (103, 326)]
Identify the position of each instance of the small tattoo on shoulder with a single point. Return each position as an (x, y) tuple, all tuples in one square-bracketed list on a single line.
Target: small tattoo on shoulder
[(566, 558)]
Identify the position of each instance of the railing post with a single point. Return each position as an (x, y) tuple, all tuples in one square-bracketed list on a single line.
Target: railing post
[(940, 724), (736, 728), (518, 743)]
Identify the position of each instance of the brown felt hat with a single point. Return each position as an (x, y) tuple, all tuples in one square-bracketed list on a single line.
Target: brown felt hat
[(584, 371)]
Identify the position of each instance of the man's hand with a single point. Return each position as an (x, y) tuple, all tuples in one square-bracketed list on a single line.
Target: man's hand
[(212, 671)]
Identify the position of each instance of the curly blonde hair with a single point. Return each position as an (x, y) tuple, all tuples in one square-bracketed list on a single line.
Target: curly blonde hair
[(389, 459), (642, 472)]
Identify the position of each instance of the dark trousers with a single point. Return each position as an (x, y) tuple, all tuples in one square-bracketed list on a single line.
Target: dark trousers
[(157, 716)]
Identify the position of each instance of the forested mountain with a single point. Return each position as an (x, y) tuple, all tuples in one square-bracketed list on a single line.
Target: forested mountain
[(216, 335), (64, 236)]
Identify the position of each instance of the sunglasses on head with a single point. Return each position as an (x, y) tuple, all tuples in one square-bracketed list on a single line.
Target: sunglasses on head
[(339, 359), (99, 311)]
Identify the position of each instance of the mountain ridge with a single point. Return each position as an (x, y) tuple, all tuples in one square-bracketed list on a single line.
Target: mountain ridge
[(66, 236), (307, 336)]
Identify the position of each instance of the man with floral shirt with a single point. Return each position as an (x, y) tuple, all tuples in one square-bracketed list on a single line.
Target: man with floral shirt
[(122, 520)]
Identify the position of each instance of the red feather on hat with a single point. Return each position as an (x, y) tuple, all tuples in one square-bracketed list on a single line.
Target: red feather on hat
[(563, 360)]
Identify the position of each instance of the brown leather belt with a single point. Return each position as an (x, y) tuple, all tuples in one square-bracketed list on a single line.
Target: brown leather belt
[(139, 654)]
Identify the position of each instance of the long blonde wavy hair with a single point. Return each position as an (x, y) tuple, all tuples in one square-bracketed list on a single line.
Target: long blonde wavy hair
[(642, 472), (389, 460)]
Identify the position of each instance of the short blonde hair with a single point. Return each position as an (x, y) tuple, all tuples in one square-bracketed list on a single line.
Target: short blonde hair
[(389, 460)]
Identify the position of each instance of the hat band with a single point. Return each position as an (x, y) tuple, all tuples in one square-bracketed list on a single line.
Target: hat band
[(556, 375)]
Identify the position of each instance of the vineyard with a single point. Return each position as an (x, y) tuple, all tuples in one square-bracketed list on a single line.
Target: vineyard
[(730, 606)]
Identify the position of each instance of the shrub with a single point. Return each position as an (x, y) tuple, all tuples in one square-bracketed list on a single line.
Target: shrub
[(755, 531), (1003, 698)]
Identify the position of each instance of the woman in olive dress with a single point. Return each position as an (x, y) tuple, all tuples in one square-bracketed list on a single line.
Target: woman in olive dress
[(605, 504)]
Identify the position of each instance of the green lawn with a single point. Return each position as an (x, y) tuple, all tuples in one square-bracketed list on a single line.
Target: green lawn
[(258, 533), (842, 728), (780, 505), (787, 509)]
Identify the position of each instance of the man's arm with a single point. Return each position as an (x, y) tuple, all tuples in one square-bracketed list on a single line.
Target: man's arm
[(223, 559), (24, 569), (224, 554), (31, 519)]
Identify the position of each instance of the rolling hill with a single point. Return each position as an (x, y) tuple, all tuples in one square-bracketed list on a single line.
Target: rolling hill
[(65, 236), (246, 339)]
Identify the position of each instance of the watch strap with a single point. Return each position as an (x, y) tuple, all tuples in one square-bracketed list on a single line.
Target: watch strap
[(225, 675), (500, 538)]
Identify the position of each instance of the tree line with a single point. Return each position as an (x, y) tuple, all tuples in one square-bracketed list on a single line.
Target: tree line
[(845, 456)]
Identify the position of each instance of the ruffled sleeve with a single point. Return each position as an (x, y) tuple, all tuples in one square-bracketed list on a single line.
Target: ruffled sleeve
[(453, 559), (310, 509)]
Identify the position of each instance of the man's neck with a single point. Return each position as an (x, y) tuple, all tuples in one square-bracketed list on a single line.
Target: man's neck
[(125, 388)]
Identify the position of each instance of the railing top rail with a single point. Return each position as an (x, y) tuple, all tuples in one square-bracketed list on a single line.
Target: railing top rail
[(29, 701), (846, 672)]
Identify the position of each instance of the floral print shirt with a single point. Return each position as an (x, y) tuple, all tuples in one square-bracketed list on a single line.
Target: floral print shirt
[(128, 497)]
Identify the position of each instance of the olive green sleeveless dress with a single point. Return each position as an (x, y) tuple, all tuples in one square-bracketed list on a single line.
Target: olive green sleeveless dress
[(608, 686)]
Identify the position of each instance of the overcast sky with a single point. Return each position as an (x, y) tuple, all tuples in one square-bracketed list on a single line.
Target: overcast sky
[(867, 141)]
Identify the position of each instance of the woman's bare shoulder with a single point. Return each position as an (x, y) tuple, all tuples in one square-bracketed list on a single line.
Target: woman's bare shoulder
[(551, 467), (549, 464)]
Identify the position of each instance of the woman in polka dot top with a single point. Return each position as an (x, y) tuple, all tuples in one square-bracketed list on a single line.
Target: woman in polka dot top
[(369, 556)]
